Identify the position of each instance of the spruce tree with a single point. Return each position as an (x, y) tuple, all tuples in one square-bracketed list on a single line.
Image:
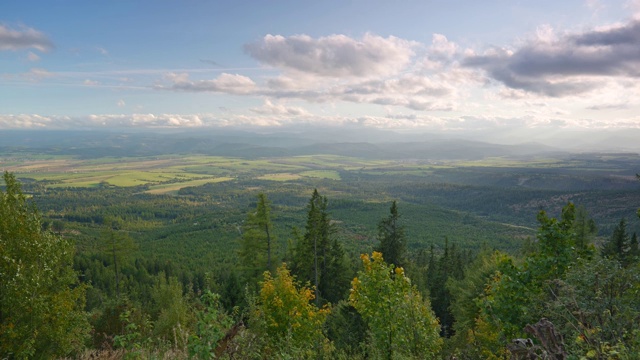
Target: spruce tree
[(617, 245), (256, 243), (393, 244), (318, 256)]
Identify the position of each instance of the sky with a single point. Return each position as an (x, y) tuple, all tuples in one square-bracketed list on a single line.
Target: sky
[(423, 65)]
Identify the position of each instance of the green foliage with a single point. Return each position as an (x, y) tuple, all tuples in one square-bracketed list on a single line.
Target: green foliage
[(620, 246), (257, 242), (41, 303), (347, 330), (401, 323), (135, 338), (119, 246), (450, 265), (391, 234), (556, 241), (516, 294), (171, 309), (585, 231), (597, 308), (469, 341), (285, 319), (212, 324), (318, 256)]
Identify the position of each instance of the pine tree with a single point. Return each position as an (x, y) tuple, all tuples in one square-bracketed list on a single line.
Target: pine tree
[(119, 246), (585, 230), (634, 250), (257, 241), (392, 238), (318, 256), (617, 246)]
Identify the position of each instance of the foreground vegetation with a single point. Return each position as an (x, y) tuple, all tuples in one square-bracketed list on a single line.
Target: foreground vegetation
[(284, 253)]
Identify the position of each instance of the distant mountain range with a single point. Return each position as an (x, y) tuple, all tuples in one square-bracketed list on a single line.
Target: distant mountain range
[(365, 143)]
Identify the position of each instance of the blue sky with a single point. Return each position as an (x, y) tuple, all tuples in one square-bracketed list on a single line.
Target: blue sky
[(397, 64)]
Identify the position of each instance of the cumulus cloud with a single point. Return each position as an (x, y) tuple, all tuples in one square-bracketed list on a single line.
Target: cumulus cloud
[(335, 55), (23, 38), (34, 121), (441, 48), (412, 91), (567, 64), (225, 83), (269, 108)]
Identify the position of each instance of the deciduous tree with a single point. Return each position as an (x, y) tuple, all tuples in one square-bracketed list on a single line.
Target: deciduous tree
[(41, 302), (400, 321), (284, 317)]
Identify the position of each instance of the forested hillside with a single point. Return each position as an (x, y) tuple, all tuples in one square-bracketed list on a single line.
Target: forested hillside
[(319, 256)]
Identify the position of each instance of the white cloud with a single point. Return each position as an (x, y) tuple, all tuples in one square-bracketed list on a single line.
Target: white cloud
[(225, 83), (335, 55), (89, 82), (24, 38), (269, 108), (441, 47), (281, 116), (121, 103), (567, 64)]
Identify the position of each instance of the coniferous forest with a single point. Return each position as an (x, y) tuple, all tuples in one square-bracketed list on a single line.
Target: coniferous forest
[(319, 257)]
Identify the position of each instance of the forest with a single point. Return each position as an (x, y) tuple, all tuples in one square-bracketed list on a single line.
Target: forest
[(298, 254)]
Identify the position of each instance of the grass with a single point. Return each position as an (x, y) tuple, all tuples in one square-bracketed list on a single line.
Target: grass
[(279, 177), (174, 187), (322, 174)]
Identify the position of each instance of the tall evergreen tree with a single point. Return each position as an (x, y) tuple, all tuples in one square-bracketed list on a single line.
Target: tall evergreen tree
[(393, 244), (119, 246), (617, 246), (256, 243), (634, 249), (318, 256), (449, 266), (585, 230)]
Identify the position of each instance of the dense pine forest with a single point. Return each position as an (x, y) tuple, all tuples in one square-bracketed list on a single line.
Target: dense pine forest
[(320, 257)]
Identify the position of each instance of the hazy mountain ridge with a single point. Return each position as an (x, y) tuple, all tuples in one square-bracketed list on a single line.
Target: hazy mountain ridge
[(368, 144)]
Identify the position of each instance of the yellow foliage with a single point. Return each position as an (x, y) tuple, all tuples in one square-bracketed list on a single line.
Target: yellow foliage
[(284, 310)]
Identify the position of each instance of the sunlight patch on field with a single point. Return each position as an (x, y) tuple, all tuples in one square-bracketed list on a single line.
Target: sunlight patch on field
[(331, 161), (279, 177), (174, 187), (115, 178), (508, 163), (323, 174)]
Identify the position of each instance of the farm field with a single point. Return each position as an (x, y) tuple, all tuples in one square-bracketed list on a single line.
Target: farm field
[(470, 198)]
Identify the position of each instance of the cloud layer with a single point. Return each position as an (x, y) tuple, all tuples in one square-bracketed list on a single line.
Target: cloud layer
[(24, 38), (569, 64), (335, 55)]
